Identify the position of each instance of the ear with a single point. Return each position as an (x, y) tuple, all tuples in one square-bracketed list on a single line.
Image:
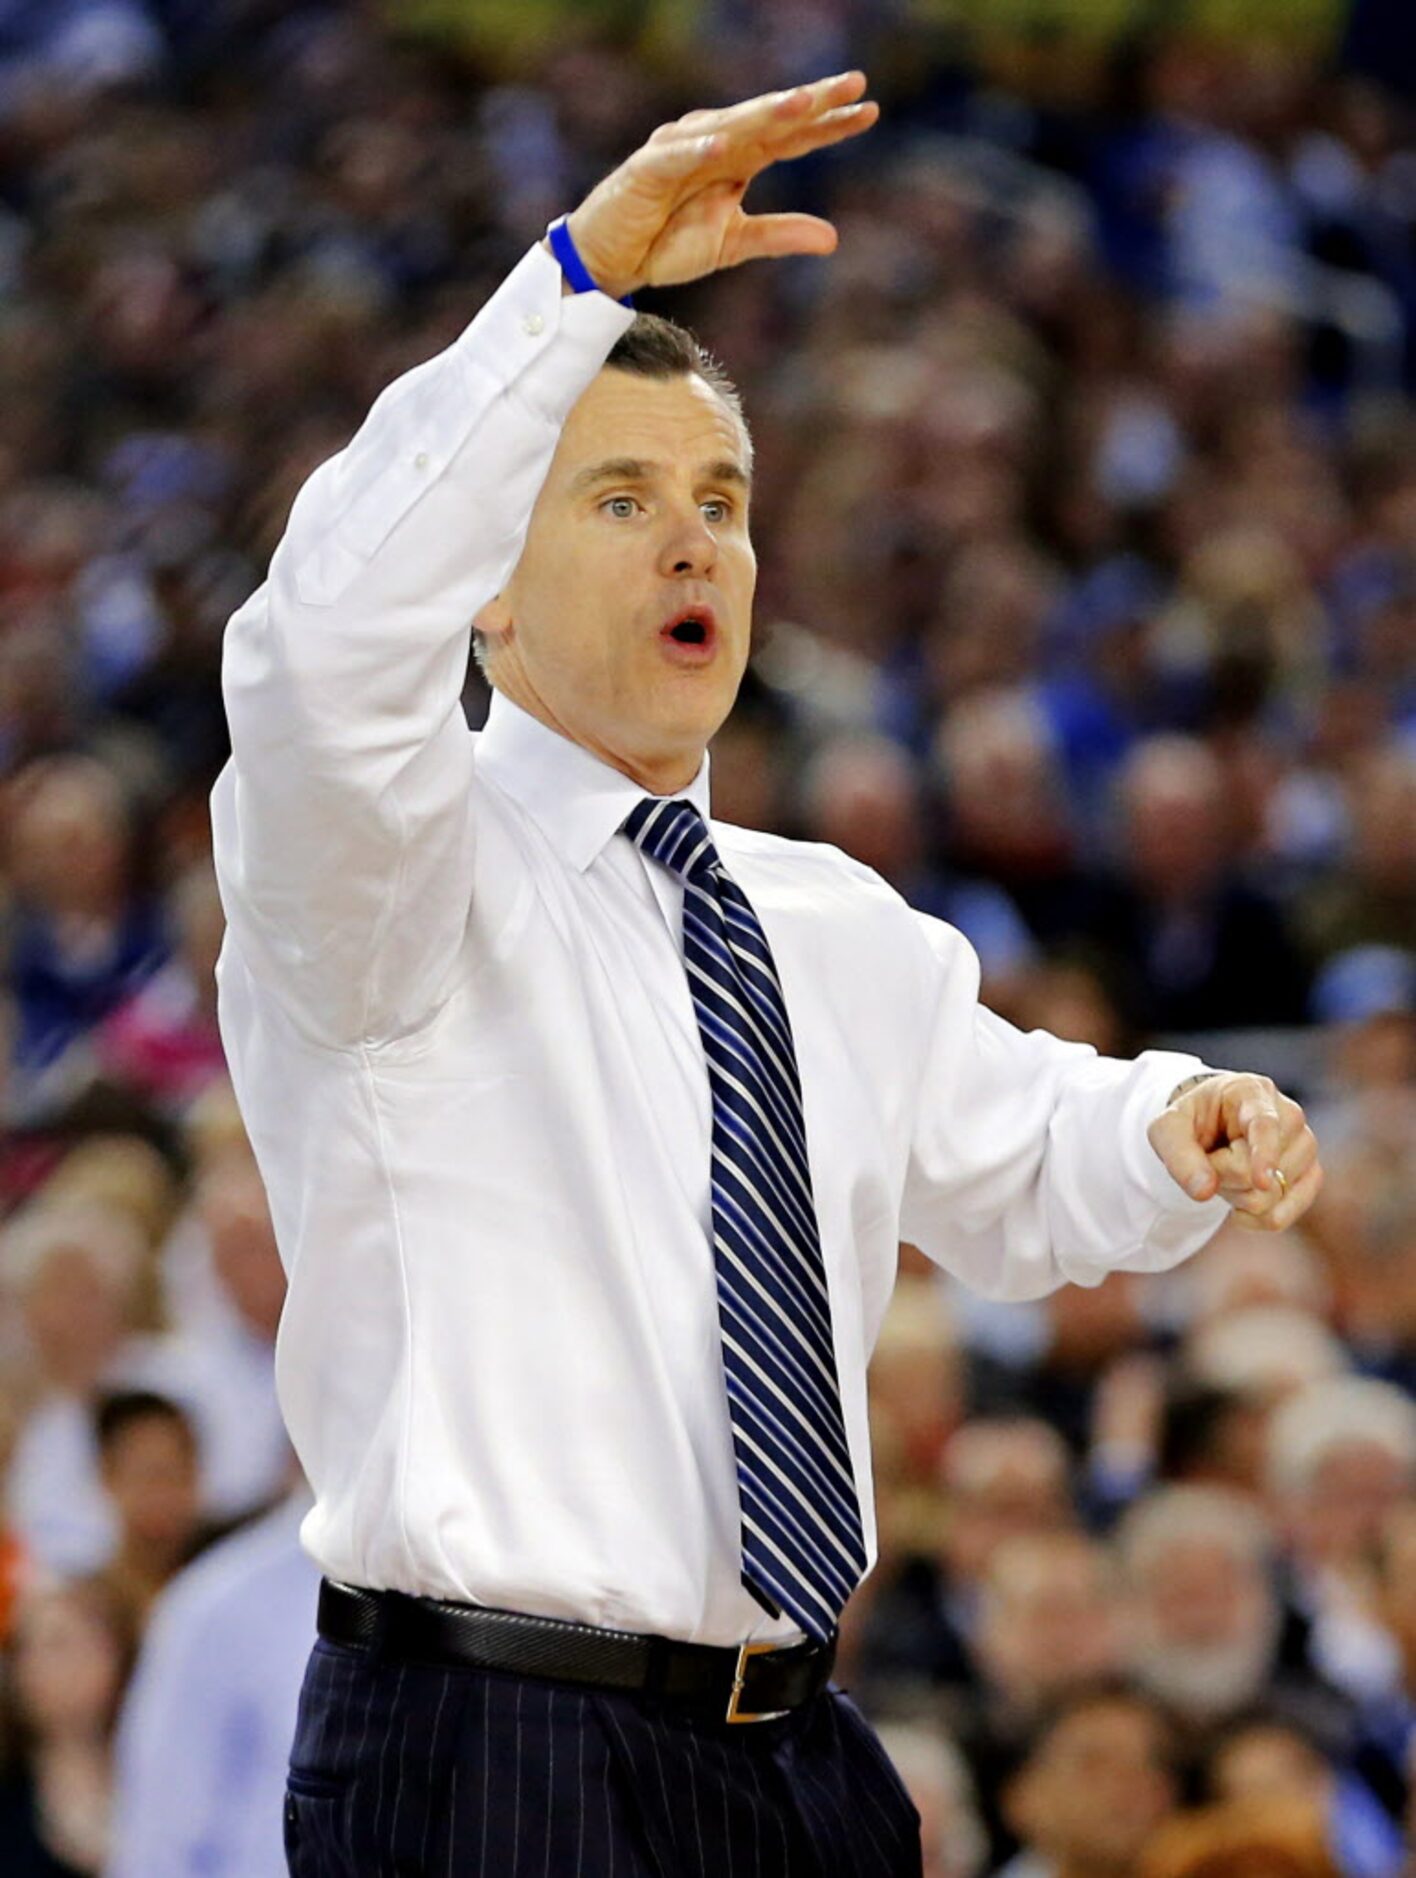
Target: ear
[(494, 620)]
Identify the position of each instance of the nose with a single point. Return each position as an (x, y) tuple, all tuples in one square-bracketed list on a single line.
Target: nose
[(689, 548)]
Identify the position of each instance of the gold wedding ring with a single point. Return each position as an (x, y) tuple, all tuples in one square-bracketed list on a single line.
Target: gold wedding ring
[(1282, 1180)]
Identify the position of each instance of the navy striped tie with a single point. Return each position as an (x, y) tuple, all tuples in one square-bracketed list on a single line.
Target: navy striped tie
[(802, 1549)]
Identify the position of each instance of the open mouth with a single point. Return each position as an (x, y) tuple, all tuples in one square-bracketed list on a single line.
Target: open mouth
[(695, 629)]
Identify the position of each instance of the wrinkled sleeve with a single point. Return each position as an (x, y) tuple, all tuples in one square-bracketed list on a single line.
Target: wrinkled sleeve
[(343, 823), (1029, 1164)]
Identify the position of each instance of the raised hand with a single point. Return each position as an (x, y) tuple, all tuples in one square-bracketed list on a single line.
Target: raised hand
[(673, 211), (1239, 1136)]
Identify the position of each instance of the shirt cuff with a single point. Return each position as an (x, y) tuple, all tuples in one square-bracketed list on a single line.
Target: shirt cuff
[(542, 343), (1147, 1173)]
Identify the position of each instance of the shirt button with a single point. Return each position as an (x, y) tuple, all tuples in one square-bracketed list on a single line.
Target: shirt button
[(421, 460), (533, 325)]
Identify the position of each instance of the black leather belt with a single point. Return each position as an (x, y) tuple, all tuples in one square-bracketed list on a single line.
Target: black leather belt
[(757, 1682)]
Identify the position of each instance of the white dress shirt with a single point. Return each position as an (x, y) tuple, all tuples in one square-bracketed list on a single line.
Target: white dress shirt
[(458, 1021)]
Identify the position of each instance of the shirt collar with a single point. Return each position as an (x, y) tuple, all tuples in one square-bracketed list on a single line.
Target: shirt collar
[(575, 799)]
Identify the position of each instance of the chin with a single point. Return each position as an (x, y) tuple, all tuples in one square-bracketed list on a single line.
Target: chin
[(695, 718)]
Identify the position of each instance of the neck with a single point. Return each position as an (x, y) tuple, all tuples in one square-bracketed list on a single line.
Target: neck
[(659, 773)]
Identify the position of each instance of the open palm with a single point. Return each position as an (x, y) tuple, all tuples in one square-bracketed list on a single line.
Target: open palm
[(673, 211)]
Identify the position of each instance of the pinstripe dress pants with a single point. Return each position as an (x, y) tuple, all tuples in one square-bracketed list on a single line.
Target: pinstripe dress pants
[(464, 1773)]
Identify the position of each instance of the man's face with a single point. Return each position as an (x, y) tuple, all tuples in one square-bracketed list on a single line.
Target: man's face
[(641, 526)]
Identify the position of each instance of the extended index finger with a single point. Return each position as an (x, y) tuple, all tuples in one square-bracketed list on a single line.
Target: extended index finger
[(1258, 1121)]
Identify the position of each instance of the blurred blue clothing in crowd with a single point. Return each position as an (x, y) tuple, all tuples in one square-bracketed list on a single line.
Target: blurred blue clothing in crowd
[(60, 993), (1362, 1837), (206, 1730), (82, 42)]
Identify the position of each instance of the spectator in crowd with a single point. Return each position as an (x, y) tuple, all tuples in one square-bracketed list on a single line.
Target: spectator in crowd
[(206, 1729), (1088, 1332), (1387, 1699), (1264, 1757), (939, 1783), (149, 1466), (1263, 1352), (222, 1368), (213, 1139), (1206, 1615), (916, 1382), (1285, 1838), (1213, 950), (1365, 1230), (916, 1403), (1008, 813), (1371, 898), (66, 1664), (87, 46), (1049, 1624), (76, 1271), (1093, 1787), (1213, 1436), (752, 758), (864, 795), (1076, 991), (1001, 1478), (1366, 998), (127, 1175), (1049, 1621), (85, 936), (162, 1043), (1238, 1270), (1342, 1455)]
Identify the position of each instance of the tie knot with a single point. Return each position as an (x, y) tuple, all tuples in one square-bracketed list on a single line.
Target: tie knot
[(672, 833)]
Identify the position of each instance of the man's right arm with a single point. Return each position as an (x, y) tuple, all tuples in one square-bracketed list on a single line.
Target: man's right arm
[(342, 823), (342, 827)]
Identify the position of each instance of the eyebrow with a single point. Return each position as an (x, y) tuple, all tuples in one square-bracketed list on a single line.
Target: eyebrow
[(633, 469)]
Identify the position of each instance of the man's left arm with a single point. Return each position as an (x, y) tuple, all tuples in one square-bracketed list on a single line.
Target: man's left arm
[(1035, 1162)]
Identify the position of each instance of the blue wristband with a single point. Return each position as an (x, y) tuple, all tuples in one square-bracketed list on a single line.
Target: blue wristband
[(564, 249)]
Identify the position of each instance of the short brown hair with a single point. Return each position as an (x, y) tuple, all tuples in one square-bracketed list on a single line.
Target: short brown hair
[(654, 347)]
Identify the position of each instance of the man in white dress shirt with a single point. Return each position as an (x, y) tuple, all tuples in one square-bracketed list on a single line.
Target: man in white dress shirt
[(591, 1126)]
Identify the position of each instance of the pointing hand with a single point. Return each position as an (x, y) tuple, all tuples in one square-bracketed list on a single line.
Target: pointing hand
[(1239, 1136)]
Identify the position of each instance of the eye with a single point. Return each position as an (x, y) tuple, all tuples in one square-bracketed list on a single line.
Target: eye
[(621, 507), (717, 509)]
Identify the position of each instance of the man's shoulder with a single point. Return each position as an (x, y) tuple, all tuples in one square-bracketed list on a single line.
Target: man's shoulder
[(798, 860), (822, 892)]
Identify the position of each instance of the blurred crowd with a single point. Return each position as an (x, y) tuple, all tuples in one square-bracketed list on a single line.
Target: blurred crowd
[(1086, 511)]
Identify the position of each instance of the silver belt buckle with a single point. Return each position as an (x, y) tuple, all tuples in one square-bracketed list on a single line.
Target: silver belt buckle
[(736, 1713)]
